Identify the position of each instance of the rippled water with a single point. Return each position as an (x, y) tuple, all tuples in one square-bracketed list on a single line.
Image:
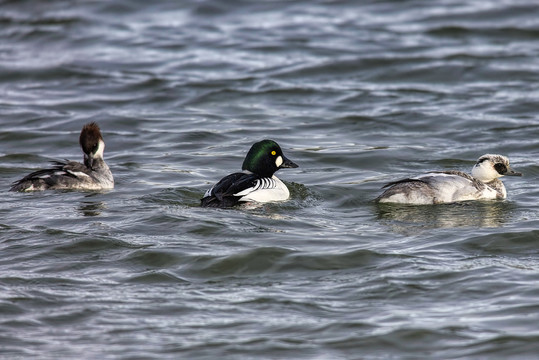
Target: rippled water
[(356, 93)]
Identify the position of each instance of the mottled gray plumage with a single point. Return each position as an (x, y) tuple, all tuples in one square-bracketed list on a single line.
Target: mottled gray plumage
[(450, 186), (93, 174)]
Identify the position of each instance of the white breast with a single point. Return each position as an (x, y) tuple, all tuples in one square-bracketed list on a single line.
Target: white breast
[(265, 190)]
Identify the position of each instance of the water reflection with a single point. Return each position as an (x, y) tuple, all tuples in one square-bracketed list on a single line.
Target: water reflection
[(91, 208), (412, 218)]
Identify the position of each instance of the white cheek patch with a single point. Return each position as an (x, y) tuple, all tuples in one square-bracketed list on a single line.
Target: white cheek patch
[(485, 172), (279, 161), (100, 150)]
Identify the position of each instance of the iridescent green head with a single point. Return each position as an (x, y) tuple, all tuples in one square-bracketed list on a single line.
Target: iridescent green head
[(265, 158)]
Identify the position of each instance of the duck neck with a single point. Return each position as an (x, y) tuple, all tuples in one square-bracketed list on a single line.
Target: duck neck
[(498, 185)]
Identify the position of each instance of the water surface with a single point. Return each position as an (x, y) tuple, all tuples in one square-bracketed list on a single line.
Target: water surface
[(358, 94)]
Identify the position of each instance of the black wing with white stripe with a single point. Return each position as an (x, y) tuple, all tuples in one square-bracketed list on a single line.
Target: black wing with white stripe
[(225, 192), (46, 178)]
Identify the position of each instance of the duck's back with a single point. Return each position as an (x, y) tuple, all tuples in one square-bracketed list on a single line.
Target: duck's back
[(244, 187), (66, 175), (435, 188), (225, 192)]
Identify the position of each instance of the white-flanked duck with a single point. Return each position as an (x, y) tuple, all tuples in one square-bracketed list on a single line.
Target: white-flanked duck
[(256, 182), (451, 186)]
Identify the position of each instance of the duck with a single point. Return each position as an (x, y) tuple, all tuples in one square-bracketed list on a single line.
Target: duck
[(92, 174), (437, 187), (256, 182)]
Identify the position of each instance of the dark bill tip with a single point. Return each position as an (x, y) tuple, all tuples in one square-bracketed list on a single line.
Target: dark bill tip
[(288, 164)]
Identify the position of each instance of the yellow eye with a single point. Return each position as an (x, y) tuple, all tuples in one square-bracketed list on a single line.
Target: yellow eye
[(273, 152)]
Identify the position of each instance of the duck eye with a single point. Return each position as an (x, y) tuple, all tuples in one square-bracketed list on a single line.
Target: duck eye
[(274, 152), (500, 168)]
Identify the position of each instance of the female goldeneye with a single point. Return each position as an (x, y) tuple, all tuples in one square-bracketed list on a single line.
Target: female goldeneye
[(450, 186), (93, 174), (256, 182)]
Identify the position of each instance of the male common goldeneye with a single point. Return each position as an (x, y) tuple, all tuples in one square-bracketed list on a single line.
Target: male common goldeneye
[(93, 174), (450, 186), (256, 182)]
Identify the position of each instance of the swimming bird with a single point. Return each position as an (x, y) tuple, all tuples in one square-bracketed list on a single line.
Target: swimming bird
[(92, 174), (450, 186), (256, 182)]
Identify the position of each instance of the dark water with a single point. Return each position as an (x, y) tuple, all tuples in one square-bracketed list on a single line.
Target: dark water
[(357, 93)]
